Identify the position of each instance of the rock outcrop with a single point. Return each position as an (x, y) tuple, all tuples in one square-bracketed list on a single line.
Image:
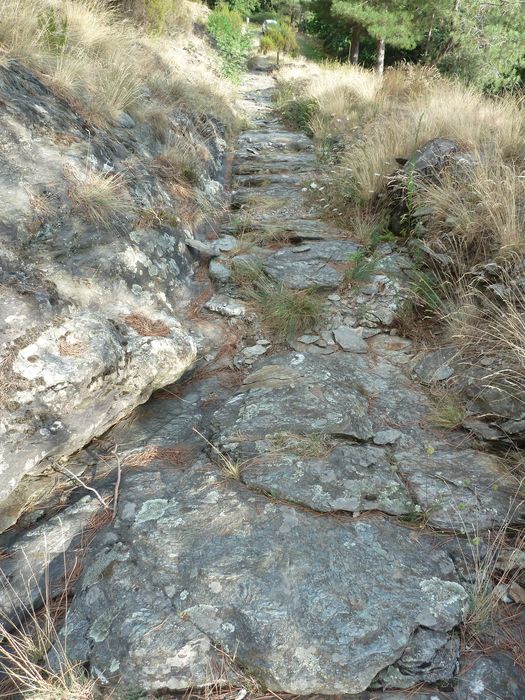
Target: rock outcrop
[(92, 295)]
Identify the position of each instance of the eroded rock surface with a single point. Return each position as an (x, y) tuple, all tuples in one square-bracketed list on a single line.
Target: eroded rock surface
[(74, 287), (308, 603)]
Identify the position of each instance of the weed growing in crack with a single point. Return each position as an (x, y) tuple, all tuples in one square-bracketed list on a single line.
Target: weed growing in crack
[(231, 468), (362, 267), (448, 413), (287, 312)]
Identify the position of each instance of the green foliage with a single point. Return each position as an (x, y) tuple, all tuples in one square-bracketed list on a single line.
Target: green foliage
[(281, 38), (244, 7), (298, 113), (227, 28), (448, 413), (285, 312), (288, 312), (54, 30), (484, 44), (361, 266), (157, 12)]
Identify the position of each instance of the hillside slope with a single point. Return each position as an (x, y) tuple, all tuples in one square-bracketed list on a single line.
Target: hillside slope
[(101, 191)]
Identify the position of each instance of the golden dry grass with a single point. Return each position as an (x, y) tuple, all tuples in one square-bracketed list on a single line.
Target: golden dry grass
[(99, 197), (375, 122), (90, 54)]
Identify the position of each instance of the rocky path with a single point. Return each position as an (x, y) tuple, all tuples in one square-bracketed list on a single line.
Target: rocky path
[(316, 535)]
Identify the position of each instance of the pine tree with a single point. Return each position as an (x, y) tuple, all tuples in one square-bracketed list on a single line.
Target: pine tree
[(485, 43), (399, 23)]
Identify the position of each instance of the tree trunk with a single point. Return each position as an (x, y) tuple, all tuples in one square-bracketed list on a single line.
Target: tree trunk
[(380, 62), (354, 47)]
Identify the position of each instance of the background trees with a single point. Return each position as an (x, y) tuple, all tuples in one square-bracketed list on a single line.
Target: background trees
[(481, 42)]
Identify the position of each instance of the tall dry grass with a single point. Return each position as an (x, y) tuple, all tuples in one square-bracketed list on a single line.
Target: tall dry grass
[(373, 121), (105, 64)]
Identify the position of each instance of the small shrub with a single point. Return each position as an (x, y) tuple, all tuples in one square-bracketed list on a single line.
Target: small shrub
[(281, 38), (227, 28), (287, 312), (298, 113), (181, 162), (362, 267)]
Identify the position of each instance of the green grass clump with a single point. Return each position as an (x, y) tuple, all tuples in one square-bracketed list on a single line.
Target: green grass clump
[(287, 313), (298, 113), (361, 267), (448, 413)]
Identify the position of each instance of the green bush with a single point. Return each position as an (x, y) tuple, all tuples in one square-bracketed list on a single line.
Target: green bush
[(282, 39), (299, 113), (227, 28)]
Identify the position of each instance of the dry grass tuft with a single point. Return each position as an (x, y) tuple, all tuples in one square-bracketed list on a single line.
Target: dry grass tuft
[(99, 198), (448, 413), (482, 204), (490, 322), (368, 123), (181, 161), (146, 326), (491, 573)]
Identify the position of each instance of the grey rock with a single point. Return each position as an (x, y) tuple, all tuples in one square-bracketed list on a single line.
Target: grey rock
[(219, 271), (204, 248), (431, 656), (492, 676), (349, 340), (254, 350), (41, 558), (482, 430), (434, 366), (80, 394), (387, 437), (225, 244), (297, 393), (461, 490), (226, 306), (232, 572), (125, 120), (64, 277), (308, 339), (311, 266), (351, 478), (431, 157)]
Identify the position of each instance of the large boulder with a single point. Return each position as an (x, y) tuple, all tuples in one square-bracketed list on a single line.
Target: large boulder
[(425, 162), (73, 382)]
